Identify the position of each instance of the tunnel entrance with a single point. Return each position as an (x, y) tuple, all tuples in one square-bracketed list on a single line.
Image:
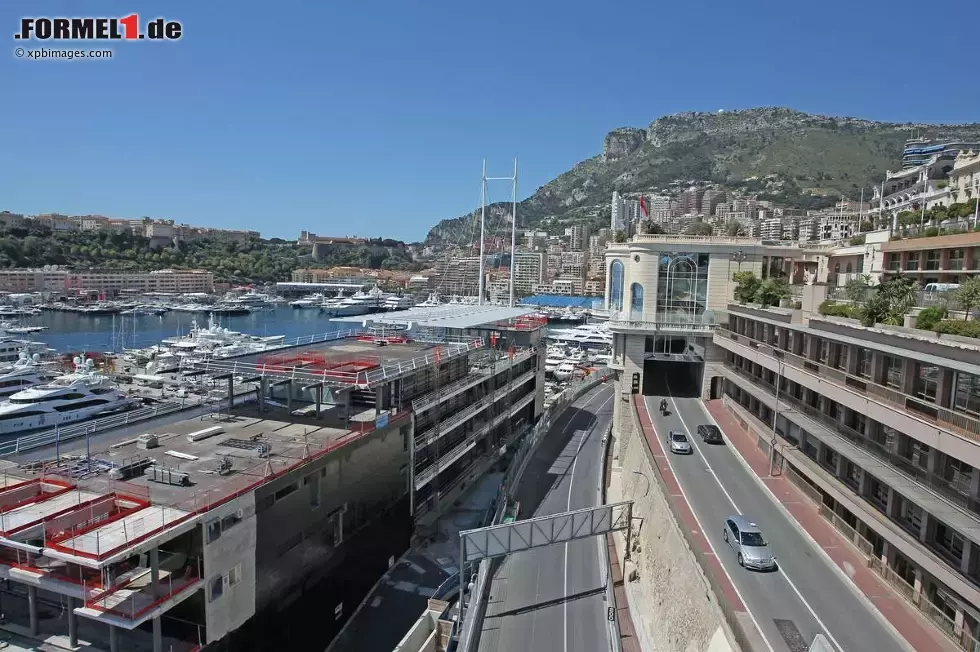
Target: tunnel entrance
[(679, 378)]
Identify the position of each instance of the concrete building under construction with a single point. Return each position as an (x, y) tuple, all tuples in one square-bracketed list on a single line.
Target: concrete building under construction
[(213, 532)]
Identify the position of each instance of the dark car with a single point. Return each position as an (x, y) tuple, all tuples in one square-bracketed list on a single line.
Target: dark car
[(710, 434)]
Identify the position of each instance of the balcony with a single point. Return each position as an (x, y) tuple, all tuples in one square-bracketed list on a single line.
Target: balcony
[(132, 596), (621, 322), (957, 423), (887, 465)]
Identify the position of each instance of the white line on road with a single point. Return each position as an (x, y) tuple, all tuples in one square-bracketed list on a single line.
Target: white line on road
[(568, 508), (782, 570), (701, 526)]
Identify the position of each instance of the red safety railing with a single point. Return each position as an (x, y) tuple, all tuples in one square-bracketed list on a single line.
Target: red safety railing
[(31, 491), (144, 597)]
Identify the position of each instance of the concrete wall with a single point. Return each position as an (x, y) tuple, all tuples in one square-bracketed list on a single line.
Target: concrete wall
[(232, 552), (671, 601)]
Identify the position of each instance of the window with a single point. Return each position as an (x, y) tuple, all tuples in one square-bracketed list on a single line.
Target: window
[(235, 575), (967, 393), (863, 362), (844, 352), (926, 381), (894, 262), (955, 259), (216, 587), (823, 352), (912, 264), (892, 371), (932, 259), (214, 530), (636, 300), (285, 491), (911, 517), (312, 484), (230, 521), (949, 541), (616, 286)]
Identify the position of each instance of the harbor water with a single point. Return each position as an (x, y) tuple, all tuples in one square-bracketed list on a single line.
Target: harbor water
[(73, 332)]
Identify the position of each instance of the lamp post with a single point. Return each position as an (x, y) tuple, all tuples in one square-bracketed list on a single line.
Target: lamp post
[(738, 257), (777, 354)]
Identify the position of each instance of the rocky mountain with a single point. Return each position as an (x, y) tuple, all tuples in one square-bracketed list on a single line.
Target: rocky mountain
[(810, 160)]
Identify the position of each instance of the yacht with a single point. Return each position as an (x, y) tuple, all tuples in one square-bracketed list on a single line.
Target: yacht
[(312, 301), (552, 362), (24, 330), (565, 370), (209, 340), (395, 302), (26, 372), (431, 301), (83, 394), (591, 336)]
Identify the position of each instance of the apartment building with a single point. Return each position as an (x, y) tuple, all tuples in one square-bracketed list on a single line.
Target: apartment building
[(108, 283), (964, 178), (10, 220), (940, 259), (578, 238), (882, 426), (529, 271), (624, 213), (827, 227)]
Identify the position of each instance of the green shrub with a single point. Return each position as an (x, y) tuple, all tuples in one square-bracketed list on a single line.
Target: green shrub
[(797, 305), (856, 240), (931, 232), (929, 317), (833, 309), (959, 327)]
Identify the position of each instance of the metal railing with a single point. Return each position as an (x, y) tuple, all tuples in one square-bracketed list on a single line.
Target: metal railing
[(845, 528), (935, 484), (955, 422)]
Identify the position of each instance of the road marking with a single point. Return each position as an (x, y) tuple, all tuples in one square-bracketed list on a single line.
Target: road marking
[(568, 508), (705, 532), (782, 570)]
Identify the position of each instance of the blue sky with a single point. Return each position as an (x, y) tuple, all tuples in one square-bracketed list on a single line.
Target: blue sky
[(371, 117)]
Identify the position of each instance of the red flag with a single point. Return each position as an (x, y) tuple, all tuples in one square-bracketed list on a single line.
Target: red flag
[(438, 355), (643, 206), (510, 353)]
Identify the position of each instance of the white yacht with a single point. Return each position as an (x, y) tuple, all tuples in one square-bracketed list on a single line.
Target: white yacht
[(26, 372), (590, 336), (565, 370), (312, 301), (395, 302), (431, 301), (214, 337), (74, 397)]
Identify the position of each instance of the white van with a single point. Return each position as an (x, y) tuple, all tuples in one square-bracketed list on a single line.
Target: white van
[(941, 287)]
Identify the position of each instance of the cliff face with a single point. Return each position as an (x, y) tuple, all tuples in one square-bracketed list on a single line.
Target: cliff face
[(813, 159), (620, 143)]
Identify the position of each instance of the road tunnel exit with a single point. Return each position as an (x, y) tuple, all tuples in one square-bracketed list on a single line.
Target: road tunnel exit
[(681, 379)]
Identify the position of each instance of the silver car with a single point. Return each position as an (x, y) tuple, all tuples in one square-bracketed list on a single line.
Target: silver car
[(679, 443), (747, 541)]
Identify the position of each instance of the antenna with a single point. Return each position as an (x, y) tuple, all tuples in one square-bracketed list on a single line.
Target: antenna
[(513, 226)]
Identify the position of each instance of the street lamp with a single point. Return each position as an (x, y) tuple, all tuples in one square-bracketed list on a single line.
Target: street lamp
[(776, 353), (738, 257)]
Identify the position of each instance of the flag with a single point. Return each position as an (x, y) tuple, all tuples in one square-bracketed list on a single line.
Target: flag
[(438, 355), (510, 353), (643, 206)]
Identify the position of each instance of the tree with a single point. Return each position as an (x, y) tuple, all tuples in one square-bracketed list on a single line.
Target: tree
[(967, 296), (620, 236), (856, 289), (735, 229), (747, 286), (772, 291), (699, 228), (651, 227), (889, 305)]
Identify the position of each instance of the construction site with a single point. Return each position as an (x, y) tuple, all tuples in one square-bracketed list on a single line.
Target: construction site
[(263, 525)]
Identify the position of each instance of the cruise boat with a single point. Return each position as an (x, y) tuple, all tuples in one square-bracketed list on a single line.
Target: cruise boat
[(26, 372), (81, 395), (213, 337)]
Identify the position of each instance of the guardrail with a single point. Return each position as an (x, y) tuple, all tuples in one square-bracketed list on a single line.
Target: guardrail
[(529, 442)]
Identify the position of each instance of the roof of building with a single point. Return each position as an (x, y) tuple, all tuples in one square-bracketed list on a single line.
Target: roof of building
[(970, 239), (445, 316)]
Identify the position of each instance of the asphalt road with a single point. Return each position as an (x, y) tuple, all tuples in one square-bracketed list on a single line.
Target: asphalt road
[(804, 596), (551, 599)]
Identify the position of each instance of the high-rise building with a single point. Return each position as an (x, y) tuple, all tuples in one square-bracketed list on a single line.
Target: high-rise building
[(625, 213), (529, 270), (579, 237), (711, 199), (689, 201)]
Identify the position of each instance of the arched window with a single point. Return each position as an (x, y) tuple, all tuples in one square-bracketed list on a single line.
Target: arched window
[(636, 300), (849, 268), (616, 285)]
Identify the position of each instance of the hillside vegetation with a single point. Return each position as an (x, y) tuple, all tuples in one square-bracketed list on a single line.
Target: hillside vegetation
[(255, 260), (814, 160)]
